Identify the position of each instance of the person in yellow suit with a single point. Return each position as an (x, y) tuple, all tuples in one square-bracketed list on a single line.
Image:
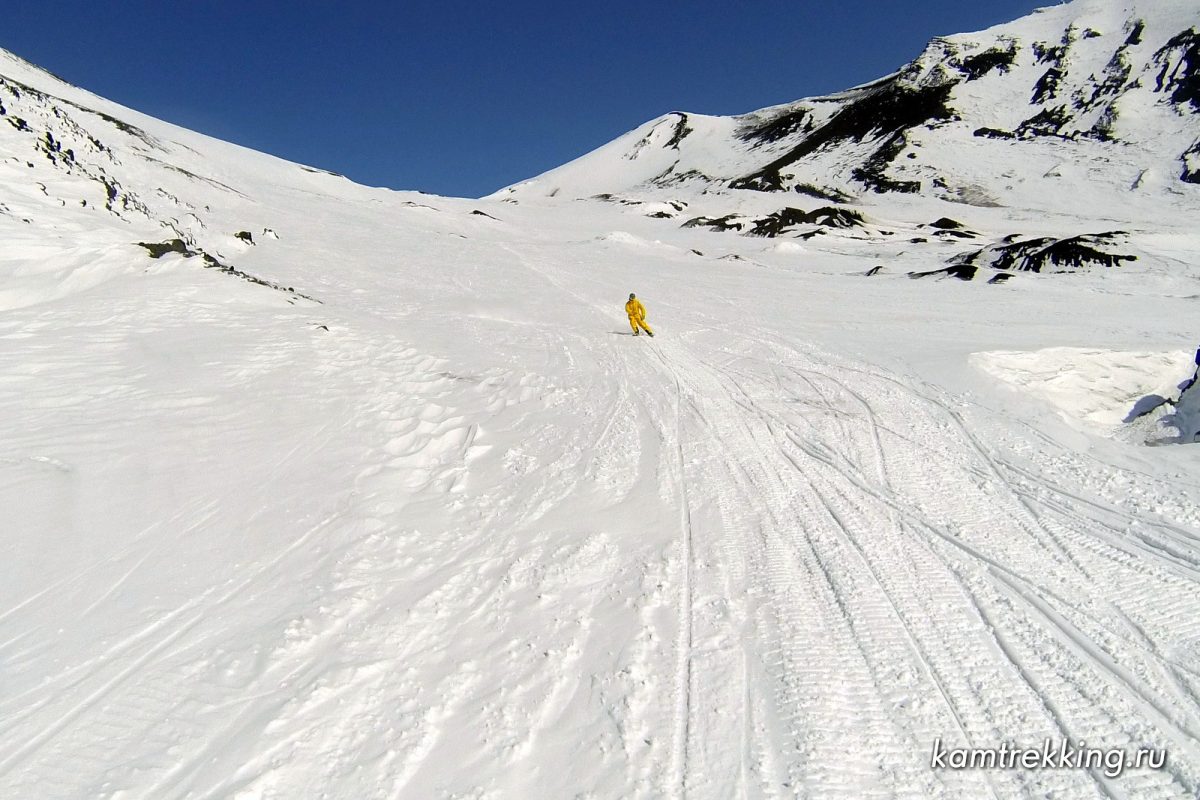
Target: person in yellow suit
[(637, 315)]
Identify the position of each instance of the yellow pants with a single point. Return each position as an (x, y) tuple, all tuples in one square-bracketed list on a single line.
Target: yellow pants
[(634, 322)]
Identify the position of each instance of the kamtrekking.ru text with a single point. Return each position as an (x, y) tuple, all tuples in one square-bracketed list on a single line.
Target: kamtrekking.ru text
[(1051, 755)]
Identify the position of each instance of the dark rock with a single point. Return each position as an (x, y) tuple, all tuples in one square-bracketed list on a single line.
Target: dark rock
[(946, 224), (1106, 90), (780, 127), (1002, 277), (680, 133), (244, 236), (964, 272), (1180, 69), (1036, 255), (479, 213), (1047, 86), (827, 194), (1191, 164), (316, 171), (1047, 122), (874, 270), (888, 109), (1046, 54), (782, 221), (670, 178), (976, 66), (111, 189), (160, 249), (729, 222), (1104, 129), (872, 172), (993, 133), (1135, 35)]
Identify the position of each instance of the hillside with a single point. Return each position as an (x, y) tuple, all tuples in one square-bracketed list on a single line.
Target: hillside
[(1091, 95), (320, 490)]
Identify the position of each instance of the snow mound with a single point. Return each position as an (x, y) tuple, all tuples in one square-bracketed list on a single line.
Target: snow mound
[(35, 271), (1105, 390), (633, 240)]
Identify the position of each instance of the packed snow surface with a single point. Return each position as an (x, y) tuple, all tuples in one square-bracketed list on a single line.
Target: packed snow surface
[(383, 500)]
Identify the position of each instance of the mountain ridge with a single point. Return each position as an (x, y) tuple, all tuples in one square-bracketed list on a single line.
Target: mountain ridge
[(1044, 89)]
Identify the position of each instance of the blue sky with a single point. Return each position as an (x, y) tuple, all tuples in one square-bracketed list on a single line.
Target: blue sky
[(462, 98)]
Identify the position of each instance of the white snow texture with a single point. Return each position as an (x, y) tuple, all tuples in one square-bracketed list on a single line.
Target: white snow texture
[(353, 493)]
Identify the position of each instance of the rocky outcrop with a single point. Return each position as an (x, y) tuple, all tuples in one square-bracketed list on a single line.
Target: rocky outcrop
[(781, 222), (1048, 254)]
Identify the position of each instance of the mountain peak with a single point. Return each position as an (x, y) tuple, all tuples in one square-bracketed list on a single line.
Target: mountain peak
[(1081, 84)]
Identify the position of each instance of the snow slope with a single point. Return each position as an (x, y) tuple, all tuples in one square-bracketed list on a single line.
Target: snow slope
[(390, 504)]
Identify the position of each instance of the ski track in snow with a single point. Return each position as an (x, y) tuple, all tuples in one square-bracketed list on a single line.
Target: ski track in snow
[(449, 531), (831, 563), (840, 528)]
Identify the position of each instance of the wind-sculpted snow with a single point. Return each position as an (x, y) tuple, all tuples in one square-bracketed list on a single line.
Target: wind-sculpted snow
[(1140, 397)]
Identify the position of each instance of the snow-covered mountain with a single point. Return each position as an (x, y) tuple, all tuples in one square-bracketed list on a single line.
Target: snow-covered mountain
[(311, 489), (1084, 104), (1096, 95)]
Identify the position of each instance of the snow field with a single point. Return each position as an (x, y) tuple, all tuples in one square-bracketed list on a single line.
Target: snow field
[(473, 532), (445, 529)]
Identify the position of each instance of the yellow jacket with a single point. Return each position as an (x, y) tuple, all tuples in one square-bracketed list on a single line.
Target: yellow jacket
[(635, 309)]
